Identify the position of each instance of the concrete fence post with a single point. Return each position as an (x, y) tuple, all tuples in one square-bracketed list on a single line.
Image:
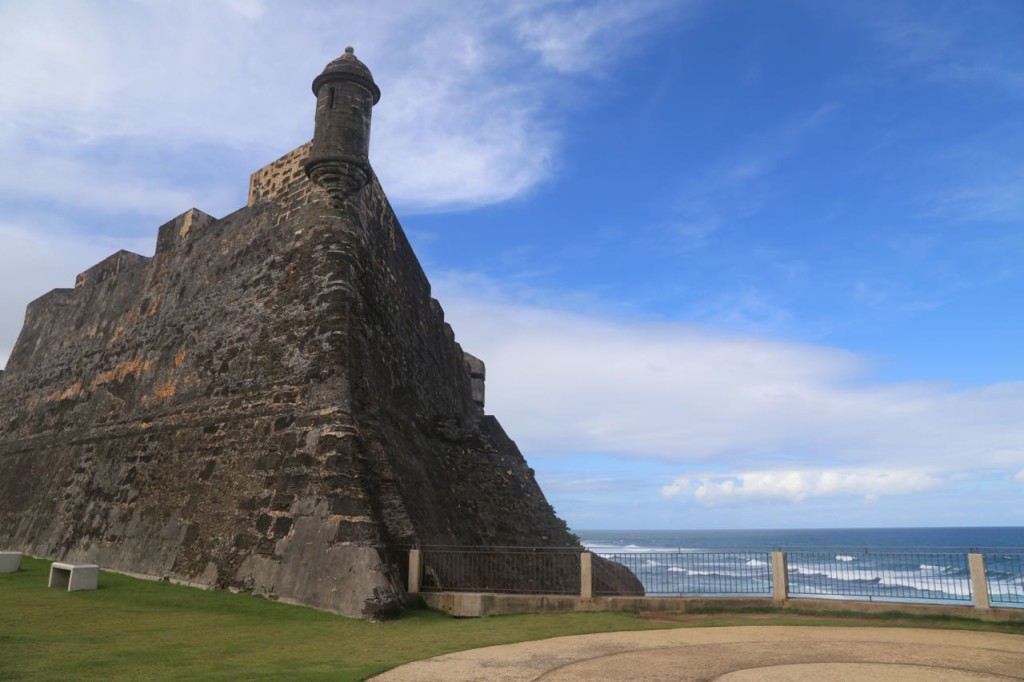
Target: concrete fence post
[(415, 571), (586, 575), (979, 586), (780, 578)]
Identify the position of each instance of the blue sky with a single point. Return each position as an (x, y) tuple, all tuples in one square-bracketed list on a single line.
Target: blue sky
[(730, 264)]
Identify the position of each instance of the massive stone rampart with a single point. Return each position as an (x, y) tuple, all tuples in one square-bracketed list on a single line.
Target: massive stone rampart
[(273, 402)]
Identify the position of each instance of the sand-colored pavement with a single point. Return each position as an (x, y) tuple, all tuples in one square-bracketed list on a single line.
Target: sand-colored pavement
[(738, 654)]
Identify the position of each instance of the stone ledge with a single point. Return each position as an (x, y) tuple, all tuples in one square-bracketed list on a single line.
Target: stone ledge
[(479, 604)]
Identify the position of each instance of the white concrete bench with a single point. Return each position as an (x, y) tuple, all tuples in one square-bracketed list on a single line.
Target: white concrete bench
[(74, 576), (10, 562)]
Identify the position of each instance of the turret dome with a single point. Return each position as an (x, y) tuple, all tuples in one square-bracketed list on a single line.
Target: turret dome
[(347, 67)]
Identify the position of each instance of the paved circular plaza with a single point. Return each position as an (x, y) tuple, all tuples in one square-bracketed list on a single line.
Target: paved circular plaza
[(738, 654)]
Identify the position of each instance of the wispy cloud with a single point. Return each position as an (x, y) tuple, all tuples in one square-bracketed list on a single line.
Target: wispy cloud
[(570, 383), (572, 38), (994, 194), (886, 295), (467, 116), (738, 186), (744, 309), (948, 45), (70, 182), (610, 485), (793, 486)]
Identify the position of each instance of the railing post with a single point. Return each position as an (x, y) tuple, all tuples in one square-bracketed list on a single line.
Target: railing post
[(979, 586), (414, 571), (586, 576), (780, 578)]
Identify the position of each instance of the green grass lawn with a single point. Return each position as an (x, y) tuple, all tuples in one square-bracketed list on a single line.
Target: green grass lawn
[(138, 629)]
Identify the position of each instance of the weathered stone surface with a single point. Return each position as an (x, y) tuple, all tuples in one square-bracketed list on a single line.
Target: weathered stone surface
[(477, 374), (272, 403), (614, 578)]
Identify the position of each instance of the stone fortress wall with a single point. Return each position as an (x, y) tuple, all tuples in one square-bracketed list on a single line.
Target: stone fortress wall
[(272, 403)]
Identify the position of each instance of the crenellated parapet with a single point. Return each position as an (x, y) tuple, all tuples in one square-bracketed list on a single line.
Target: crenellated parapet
[(110, 266), (49, 304), (181, 229), (283, 181)]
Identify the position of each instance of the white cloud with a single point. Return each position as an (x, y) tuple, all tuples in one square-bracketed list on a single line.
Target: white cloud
[(579, 383), (250, 9), (792, 486), (74, 182), (572, 38), (567, 486), (469, 88), (189, 72), (1020, 475)]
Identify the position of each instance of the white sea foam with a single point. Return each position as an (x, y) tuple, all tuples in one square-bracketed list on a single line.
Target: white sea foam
[(918, 580), (845, 557), (676, 569), (840, 575), (604, 548), (1006, 590), (806, 570), (757, 562), (957, 587)]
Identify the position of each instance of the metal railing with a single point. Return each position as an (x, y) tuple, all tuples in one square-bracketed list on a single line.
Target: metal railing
[(1004, 578), (699, 574), (994, 578), (527, 570), (879, 576)]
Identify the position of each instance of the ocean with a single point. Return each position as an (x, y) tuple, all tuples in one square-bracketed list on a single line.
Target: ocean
[(959, 539), (886, 564)]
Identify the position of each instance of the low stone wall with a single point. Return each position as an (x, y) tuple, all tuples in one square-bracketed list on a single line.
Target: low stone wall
[(477, 605)]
